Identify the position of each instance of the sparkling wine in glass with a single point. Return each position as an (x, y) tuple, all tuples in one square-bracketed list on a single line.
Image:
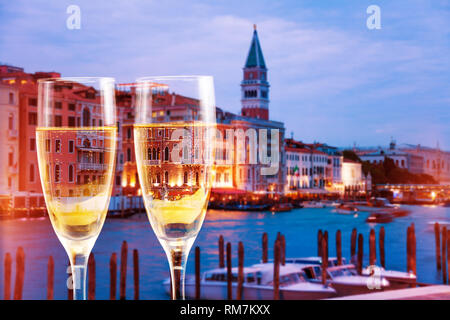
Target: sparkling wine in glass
[(76, 145), (174, 144)]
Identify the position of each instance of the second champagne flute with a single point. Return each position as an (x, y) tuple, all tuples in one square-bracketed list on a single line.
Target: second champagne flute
[(174, 144)]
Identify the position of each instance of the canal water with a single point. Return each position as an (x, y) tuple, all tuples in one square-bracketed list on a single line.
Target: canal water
[(299, 226)]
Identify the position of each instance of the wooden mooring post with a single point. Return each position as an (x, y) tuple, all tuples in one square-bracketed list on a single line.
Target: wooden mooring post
[(282, 250), (229, 273), (136, 273), (123, 270), (91, 277), (339, 247), (381, 247), (444, 256), (276, 270), (372, 248), (437, 239), (353, 246), (240, 285), (7, 277), (113, 276), (359, 265), (221, 253), (265, 249), (197, 272), (324, 259), (20, 274), (50, 278), (319, 243), (413, 250)]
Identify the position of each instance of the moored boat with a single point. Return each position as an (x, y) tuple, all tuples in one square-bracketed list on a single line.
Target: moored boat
[(380, 217), (281, 207), (346, 209), (397, 279), (257, 285), (375, 204), (313, 204)]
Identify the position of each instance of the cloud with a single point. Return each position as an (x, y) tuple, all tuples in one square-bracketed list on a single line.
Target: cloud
[(330, 77)]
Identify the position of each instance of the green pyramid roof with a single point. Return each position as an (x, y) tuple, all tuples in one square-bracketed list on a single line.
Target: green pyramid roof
[(255, 57)]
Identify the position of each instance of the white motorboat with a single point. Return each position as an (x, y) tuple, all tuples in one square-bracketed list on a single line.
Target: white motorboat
[(345, 279), (332, 261), (257, 285), (397, 279), (313, 204), (346, 209), (375, 204)]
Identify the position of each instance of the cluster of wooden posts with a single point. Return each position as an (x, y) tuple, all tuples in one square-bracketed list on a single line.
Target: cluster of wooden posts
[(357, 249), (279, 259), (20, 275), (442, 237)]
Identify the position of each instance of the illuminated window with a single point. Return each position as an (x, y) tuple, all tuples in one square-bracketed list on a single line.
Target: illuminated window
[(57, 145), (57, 173)]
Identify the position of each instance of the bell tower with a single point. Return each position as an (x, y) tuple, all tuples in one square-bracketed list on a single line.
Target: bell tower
[(254, 86)]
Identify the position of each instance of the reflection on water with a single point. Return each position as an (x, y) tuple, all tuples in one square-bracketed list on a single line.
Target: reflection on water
[(299, 226)]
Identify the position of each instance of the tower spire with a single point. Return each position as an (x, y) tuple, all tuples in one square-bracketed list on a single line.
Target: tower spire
[(254, 86)]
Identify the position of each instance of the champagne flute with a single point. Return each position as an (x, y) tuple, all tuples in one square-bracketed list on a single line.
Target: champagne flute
[(174, 134), (76, 146)]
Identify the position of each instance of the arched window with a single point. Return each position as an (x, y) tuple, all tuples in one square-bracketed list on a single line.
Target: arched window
[(128, 154), (155, 157), (158, 154), (70, 173), (86, 117), (149, 154), (166, 177), (158, 178), (166, 154)]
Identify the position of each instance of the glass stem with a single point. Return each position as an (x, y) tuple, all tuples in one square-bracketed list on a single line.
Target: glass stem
[(177, 253), (79, 271)]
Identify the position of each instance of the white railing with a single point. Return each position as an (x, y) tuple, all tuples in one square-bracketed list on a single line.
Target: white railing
[(92, 166)]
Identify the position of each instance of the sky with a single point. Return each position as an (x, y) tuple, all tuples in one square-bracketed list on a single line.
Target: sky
[(332, 79)]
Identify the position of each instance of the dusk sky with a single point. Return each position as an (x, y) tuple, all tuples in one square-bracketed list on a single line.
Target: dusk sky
[(332, 79)]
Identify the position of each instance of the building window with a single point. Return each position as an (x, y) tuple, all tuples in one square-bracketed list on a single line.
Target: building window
[(117, 180), (129, 155), (58, 105), (32, 102), (71, 146), (71, 122), (57, 173), (70, 173), (32, 144), (11, 98), (58, 121), (71, 106), (11, 121), (86, 117), (128, 133), (32, 118), (47, 145), (185, 180), (166, 177), (10, 158), (166, 154), (58, 145)]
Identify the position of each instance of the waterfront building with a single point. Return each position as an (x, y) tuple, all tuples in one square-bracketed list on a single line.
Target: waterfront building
[(435, 162), (73, 106), (415, 158), (9, 139), (313, 168), (352, 176)]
